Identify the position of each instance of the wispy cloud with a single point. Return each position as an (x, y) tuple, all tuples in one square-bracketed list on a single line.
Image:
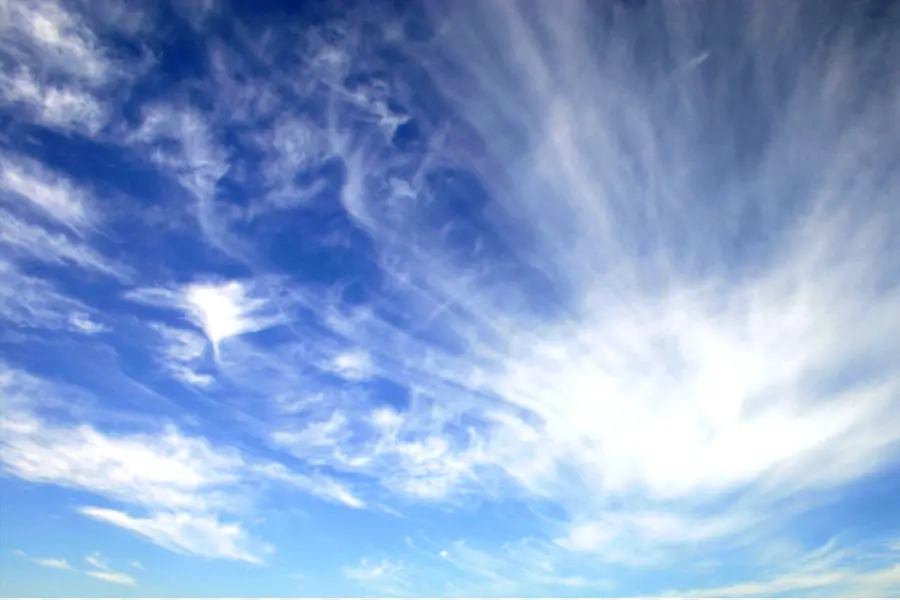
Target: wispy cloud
[(382, 575), (823, 571), (597, 329), (637, 264), (49, 193), (32, 302), (105, 572), (198, 534), (56, 107), (54, 563), (180, 484), (66, 74), (113, 577)]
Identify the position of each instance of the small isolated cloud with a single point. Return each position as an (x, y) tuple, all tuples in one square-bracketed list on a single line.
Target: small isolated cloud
[(113, 577), (53, 563)]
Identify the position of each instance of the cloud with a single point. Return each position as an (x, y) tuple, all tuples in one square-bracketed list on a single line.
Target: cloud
[(383, 575), (96, 561), (594, 259), (113, 577), (104, 572), (53, 563), (828, 570), (645, 293), (318, 485), (48, 193), (182, 355), (354, 366), (200, 535), (527, 567), (63, 74), (55, 107), (165, 470), (636, 538), (33, 242), (179, 484), (366, 570), (33, 302), (221, 310), (56, 38)]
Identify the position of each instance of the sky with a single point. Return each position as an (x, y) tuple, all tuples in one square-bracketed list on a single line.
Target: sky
[(449, 298)]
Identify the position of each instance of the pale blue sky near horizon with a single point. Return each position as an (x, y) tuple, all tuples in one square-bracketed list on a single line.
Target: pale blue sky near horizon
[(449, 298)]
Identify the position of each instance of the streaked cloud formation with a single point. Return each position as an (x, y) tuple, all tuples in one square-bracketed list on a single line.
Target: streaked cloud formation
[(576, 297)]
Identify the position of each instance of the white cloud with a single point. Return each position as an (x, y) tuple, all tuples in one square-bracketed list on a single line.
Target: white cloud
[(180, 483), (56, 107), (369, 570), (353, 365), (34, 242), (164, 470), (672, 315), (649, 292), (49, 34), (182, 355), (96, 561), (83, 323), (828, 570), (113, 577), (527, 566), (53, 563), (228, 310), (46, 192), (33, 302), (66, 75), (222, 310), (137, 565), (320, 486), (639, 538), (201, 535)]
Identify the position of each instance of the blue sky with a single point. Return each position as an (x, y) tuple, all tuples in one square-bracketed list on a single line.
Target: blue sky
[(449, 298)]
